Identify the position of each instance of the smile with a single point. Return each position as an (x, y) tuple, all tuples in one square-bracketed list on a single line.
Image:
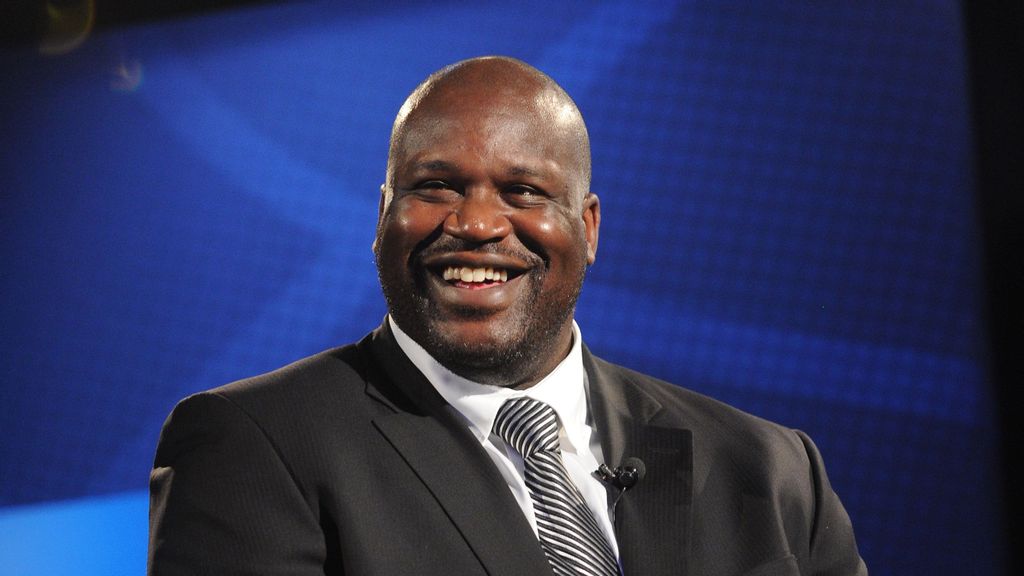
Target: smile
[(473, 280), (474, 275)]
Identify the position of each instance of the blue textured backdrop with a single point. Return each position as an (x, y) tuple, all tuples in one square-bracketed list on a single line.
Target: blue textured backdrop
[(788, 224)]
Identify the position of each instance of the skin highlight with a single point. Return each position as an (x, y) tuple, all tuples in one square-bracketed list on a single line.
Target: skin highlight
[(488, 169)]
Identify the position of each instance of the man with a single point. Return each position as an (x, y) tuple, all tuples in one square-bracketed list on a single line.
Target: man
[(463, 435)]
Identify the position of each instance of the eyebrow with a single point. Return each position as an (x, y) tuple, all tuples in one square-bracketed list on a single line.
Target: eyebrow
[(524, 171), (445, 166), (435, 166)]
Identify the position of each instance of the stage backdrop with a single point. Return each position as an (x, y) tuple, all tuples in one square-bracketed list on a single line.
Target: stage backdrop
[(788, 224)]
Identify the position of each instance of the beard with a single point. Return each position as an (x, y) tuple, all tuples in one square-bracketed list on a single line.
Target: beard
[(514, 348)]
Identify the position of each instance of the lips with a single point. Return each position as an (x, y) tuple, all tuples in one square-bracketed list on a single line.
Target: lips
[(474, 283), (474, 268)]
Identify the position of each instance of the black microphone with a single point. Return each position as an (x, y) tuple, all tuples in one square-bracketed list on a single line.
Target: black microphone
[(625, 476)]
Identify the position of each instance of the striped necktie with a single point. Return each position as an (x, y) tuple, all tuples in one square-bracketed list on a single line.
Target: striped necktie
[(568, 531)]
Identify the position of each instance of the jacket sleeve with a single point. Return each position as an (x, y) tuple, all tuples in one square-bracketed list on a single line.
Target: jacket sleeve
[(223, 501), (833, 548)]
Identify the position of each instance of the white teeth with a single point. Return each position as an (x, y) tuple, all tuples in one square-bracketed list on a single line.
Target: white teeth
[(477, 275)]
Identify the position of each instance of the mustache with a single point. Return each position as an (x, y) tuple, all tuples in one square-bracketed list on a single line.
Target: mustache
[(444, 244)]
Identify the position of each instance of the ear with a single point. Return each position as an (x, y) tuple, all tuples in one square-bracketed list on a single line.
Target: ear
[(382, 205), (591, 224)]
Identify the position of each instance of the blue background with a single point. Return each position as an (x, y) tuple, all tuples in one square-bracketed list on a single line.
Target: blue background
[(789, 224)]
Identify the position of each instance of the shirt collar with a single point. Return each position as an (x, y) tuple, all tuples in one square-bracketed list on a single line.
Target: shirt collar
[(564, 389)]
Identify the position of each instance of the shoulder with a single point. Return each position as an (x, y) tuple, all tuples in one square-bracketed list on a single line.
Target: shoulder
[(291, 389), (309, 415), (717, 427), (315, 375), (317, 391), (767, 475)]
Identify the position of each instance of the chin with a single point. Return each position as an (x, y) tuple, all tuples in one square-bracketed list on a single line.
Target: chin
[(477, 343), (498, 347)]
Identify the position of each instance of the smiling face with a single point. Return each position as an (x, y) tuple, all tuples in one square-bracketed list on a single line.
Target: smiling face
[(486, 225)]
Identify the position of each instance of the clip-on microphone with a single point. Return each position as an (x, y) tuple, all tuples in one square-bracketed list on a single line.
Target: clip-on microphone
[(624, 477)]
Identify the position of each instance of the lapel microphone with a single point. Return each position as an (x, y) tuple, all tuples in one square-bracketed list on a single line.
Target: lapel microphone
[(625, 476)]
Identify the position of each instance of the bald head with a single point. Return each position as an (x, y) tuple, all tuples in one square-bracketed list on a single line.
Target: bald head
[(496, 89)]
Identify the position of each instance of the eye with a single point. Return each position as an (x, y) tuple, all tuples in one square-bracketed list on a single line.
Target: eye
[(523, 190), (434, 190), (434, 185), (524, 195)]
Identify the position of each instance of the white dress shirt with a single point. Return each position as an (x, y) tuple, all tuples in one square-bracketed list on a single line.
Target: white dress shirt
[(564, 389)]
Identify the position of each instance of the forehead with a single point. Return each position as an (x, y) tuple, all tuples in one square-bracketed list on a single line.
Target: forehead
[(494, 125), (486, 130)]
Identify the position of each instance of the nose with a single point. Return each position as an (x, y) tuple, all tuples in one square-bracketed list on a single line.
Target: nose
[(479, 217)]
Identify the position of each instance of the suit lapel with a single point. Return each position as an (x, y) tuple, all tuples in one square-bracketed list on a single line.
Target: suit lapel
[(652, 520), (450, 462)]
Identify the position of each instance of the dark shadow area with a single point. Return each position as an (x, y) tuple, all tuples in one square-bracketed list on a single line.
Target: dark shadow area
[(994, 40), (28, 21)]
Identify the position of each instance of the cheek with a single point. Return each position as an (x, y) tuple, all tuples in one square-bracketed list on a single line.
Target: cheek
[(560, 237), (408, 223), (546, 229)]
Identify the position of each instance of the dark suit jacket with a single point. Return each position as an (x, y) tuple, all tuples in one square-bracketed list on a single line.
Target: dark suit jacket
[(349, 462)]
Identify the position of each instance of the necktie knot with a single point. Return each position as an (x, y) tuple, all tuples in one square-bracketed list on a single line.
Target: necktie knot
[(527, 425)]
